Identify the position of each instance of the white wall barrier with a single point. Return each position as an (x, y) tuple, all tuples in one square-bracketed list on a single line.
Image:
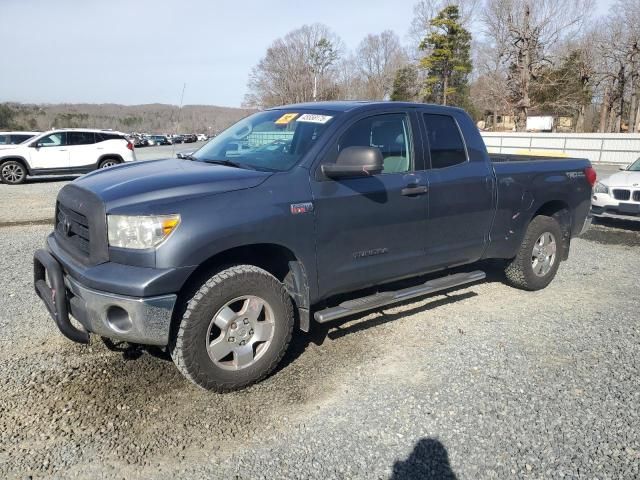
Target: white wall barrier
[(622, 148)]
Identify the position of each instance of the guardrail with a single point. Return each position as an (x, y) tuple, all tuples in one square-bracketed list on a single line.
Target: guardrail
[(620, 148)]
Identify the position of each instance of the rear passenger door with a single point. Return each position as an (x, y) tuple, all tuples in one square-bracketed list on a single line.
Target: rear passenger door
[(82, 149), (461, 202), (372, 229)]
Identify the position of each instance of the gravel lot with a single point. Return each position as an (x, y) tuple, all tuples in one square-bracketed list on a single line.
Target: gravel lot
[(484, 382)]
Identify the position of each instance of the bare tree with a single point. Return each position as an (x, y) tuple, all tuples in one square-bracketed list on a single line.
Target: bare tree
[(297, 68), (531, 30), (488, 89), (377, 58)]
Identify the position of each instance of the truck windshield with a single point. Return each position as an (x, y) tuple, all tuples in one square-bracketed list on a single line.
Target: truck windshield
[(635, 166), (274, 140)]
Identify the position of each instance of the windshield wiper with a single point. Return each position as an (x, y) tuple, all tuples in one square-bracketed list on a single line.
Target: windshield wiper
[(229, 163)]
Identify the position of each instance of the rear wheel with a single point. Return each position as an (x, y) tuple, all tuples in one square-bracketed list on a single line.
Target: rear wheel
[(539, 256), (235, 329), (108, 162), (13, 172)]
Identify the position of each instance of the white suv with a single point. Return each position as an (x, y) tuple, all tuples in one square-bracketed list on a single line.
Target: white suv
[(69, 151)]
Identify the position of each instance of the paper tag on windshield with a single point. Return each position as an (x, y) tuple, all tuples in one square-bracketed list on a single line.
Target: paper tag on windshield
[(286, 118), (313, 118)]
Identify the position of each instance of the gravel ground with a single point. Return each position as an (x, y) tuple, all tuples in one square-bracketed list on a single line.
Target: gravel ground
[(485, 382)]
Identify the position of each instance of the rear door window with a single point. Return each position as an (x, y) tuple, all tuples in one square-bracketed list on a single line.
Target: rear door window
[(446, 146), (81, 138)]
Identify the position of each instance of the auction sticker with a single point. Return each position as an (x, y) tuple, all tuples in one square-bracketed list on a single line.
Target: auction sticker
[(312, 118), (286, 118)]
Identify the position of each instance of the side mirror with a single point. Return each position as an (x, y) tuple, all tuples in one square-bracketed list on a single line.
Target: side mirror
[(623, 167), (35, 145), (355, 162)]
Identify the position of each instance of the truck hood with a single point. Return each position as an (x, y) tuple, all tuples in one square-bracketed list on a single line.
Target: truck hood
[(142, 182), (623, 179)]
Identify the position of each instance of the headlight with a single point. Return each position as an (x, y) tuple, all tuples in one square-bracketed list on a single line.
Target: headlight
[(601, 188), (140, 232)]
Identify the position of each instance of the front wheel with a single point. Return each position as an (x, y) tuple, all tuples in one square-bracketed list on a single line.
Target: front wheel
[(539, 256), (235, 329), (13, 172)]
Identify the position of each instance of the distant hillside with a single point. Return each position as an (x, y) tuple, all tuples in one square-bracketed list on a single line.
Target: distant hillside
[(152, 118)]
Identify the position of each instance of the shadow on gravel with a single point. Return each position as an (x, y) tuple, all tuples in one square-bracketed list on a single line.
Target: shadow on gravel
[(614, 232), (428, 461), (620, 224), (47, 179), (335, 330)]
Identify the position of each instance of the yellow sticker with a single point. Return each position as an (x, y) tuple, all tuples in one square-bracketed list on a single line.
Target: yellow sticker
[(286, 118)]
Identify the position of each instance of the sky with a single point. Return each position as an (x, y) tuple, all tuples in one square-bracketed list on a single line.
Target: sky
[(144, 51)]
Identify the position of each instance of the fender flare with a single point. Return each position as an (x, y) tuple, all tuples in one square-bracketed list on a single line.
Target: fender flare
[(297, 286), (18, 158)]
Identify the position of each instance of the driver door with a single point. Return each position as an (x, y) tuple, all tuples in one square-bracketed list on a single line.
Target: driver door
[(372, 229), (50, 152)]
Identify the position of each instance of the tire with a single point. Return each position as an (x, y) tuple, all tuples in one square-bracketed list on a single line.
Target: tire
[(108, 162), (13, 172), (240, 304), (537, 263)]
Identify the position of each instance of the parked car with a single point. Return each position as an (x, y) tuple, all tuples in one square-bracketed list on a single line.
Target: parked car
[(189, 138), (217, 259), (14, 138), (619, 195), (161, 140), (69, 151), (177, 139), (202, 137)]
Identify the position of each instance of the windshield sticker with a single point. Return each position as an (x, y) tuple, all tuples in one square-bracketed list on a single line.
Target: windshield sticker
[(286, 119), (312, 118)]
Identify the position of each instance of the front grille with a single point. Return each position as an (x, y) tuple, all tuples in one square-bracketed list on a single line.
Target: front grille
[(622, 194), (636, 196), (73, 229)]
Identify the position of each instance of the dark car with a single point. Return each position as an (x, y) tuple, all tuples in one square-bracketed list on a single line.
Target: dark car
[(190, 138), (217, 259), (177, 139), (161, 140)]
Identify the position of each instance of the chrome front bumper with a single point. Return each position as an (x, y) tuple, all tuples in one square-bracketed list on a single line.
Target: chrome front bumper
[(137, 320)]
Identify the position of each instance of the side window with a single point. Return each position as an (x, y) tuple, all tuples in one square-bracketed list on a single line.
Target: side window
[(53, 140), (80, 138), (5, 139), (390, 133), (445, 143)]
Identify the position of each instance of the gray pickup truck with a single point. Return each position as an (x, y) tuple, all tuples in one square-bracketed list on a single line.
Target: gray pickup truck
[(219, 256)]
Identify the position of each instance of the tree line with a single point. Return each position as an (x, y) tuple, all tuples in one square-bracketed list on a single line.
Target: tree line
[(492, 57), (152, 118)]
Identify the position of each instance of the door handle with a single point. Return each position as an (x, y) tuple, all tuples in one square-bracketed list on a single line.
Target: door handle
[(414, 190)]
